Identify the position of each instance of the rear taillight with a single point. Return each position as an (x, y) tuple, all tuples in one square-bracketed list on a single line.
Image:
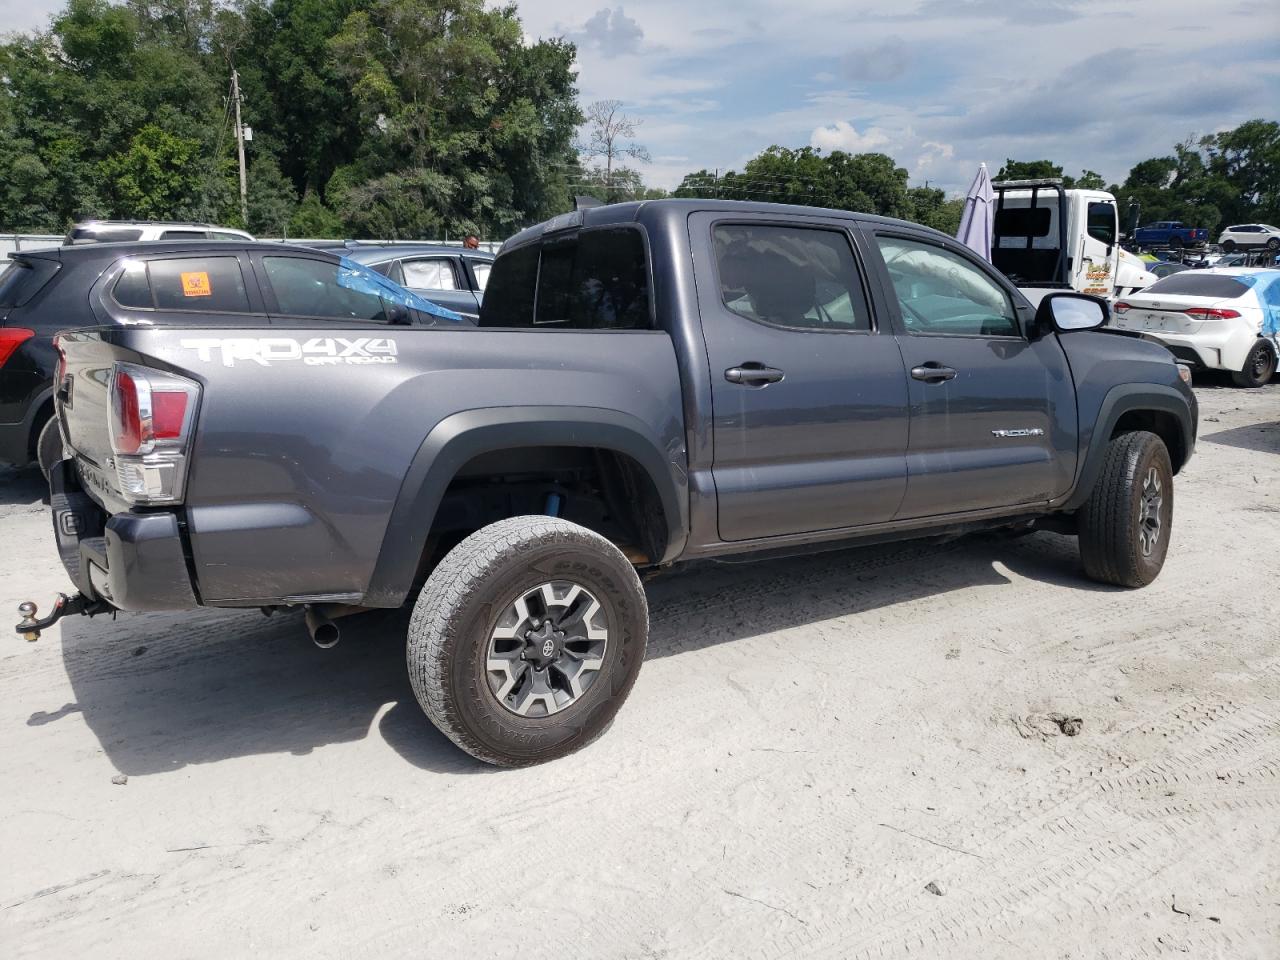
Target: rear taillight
[(1121, 308), (11, 338), (151, 421), (1211, 313)]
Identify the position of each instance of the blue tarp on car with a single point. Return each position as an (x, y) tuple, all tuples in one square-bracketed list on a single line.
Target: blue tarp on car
[(1266, 284), (356, 276)]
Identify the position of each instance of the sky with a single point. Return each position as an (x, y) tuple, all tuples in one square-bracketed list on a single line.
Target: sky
[(940, 85)]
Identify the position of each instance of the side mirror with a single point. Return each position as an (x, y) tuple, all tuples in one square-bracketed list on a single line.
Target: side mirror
[(398, 313), (1065, 312)]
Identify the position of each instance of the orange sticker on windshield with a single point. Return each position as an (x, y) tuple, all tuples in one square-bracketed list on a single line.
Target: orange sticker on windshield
[(196, 285)]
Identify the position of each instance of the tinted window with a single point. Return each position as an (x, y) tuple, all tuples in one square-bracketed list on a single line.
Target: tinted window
[(133, 289), (791, 276), (941, 292), (184, 235), (105, 234), (508, 301), (315, 288), (433, 274), (1102, 222), (208, 284), (596, 280), (1023, 222), (481, 269), (23, 279), (1192, 283)]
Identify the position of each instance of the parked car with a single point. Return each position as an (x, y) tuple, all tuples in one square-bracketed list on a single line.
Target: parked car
[(120, 231), (649, 383), (1250, 235), (1168, 268), (63, 288), (1170, 233), (1216, 319), (453, 277)]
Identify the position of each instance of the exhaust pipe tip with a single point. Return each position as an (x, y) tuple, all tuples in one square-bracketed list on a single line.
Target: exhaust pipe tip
[(324, 632)]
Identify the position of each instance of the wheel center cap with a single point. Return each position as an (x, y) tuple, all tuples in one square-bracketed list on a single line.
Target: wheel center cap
[(542, 645)]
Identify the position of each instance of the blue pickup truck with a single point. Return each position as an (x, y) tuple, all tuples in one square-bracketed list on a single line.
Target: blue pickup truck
[(1170, 233)]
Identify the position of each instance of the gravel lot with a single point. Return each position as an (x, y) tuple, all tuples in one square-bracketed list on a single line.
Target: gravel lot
[(846, 755)]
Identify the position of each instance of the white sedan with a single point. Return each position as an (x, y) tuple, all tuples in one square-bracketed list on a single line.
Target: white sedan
[(1222, 319)]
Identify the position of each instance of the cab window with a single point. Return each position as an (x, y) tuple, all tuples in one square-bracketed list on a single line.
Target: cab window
[(788, 276), (940, 292)]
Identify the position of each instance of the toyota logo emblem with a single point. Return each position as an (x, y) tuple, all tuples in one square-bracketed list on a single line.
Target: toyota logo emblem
[(548, 648)]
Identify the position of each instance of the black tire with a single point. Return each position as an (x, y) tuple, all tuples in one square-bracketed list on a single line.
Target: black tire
[(1112, 545), (1259, 366), (1175, 243), (458, 612), (48, 446), (1228, 246), (1273, 244)]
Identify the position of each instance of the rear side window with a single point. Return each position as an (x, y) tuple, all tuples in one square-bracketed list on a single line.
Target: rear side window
[(104, 234), (432, 274), (318, 288), (1193, 283), (481, 269), (790, 276), (595, 280), (205, 284), (23, 279)]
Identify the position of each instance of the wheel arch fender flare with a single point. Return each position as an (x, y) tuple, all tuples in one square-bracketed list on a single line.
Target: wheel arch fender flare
[(1130, 398), (461, 437)]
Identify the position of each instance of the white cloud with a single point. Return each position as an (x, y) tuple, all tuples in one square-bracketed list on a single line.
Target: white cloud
[(841, 135), (611, 32)]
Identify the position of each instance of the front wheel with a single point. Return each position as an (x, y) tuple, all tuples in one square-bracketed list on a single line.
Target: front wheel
[(1259, 366), (1125, 524), (526, 640), (1273, 244), (1229, 246)]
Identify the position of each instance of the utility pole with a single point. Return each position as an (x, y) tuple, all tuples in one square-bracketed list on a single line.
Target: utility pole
[(244, 186)]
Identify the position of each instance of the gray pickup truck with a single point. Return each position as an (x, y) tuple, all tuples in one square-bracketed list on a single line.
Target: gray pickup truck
[(649, 383)]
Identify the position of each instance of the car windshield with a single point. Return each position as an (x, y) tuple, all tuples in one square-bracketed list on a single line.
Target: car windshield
[(1191, 283)]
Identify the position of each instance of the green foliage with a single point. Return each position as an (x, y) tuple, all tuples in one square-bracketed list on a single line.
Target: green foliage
[(409, 117)]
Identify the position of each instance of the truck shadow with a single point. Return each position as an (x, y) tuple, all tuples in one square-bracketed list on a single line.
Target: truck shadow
[(1262, 437), (161, 691), (21, 488)]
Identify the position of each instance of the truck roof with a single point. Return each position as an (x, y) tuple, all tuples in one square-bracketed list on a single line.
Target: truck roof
[(676, 209)]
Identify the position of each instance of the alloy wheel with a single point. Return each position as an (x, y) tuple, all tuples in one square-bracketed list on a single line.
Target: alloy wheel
[(1149, 520), (547, 648)]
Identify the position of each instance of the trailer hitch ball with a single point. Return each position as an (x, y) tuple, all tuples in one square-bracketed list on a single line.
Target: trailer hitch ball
[(27, 610)]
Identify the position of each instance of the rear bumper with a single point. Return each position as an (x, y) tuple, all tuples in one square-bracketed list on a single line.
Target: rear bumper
[(1216, 346), (133, 561)]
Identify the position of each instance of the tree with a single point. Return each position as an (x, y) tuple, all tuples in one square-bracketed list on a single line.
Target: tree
[(1029, 170), (609, 129), (272, 200)]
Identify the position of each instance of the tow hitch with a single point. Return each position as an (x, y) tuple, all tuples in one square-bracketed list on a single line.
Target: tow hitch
[(64, 606)]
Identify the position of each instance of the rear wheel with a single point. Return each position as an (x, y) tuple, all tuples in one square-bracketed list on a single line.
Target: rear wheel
[(1229, 246), (1259, 366), (1273, 244), (1125, 524), (526, 640), (1175, 242)]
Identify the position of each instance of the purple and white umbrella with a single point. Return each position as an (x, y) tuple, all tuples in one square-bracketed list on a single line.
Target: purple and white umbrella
[(977, 219)]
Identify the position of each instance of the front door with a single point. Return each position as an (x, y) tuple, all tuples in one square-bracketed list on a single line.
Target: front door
[(809, 396), (1095, 273), (993, 415)]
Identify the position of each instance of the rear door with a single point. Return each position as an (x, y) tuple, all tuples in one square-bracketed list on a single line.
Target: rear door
[(808, 393), (993, 414), (441, 280)]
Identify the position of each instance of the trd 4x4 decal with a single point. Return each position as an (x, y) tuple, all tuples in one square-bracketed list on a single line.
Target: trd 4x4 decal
[(315, 352)]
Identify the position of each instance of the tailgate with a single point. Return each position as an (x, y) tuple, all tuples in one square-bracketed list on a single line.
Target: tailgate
[(82, 398)]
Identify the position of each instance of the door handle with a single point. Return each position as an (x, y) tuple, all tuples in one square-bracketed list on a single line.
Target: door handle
[(754, 374), (933, 372)]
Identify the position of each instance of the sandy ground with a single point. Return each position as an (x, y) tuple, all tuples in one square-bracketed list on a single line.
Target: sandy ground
[(812, 744)]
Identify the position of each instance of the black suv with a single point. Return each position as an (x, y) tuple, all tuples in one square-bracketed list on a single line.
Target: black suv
[(223, 283)]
